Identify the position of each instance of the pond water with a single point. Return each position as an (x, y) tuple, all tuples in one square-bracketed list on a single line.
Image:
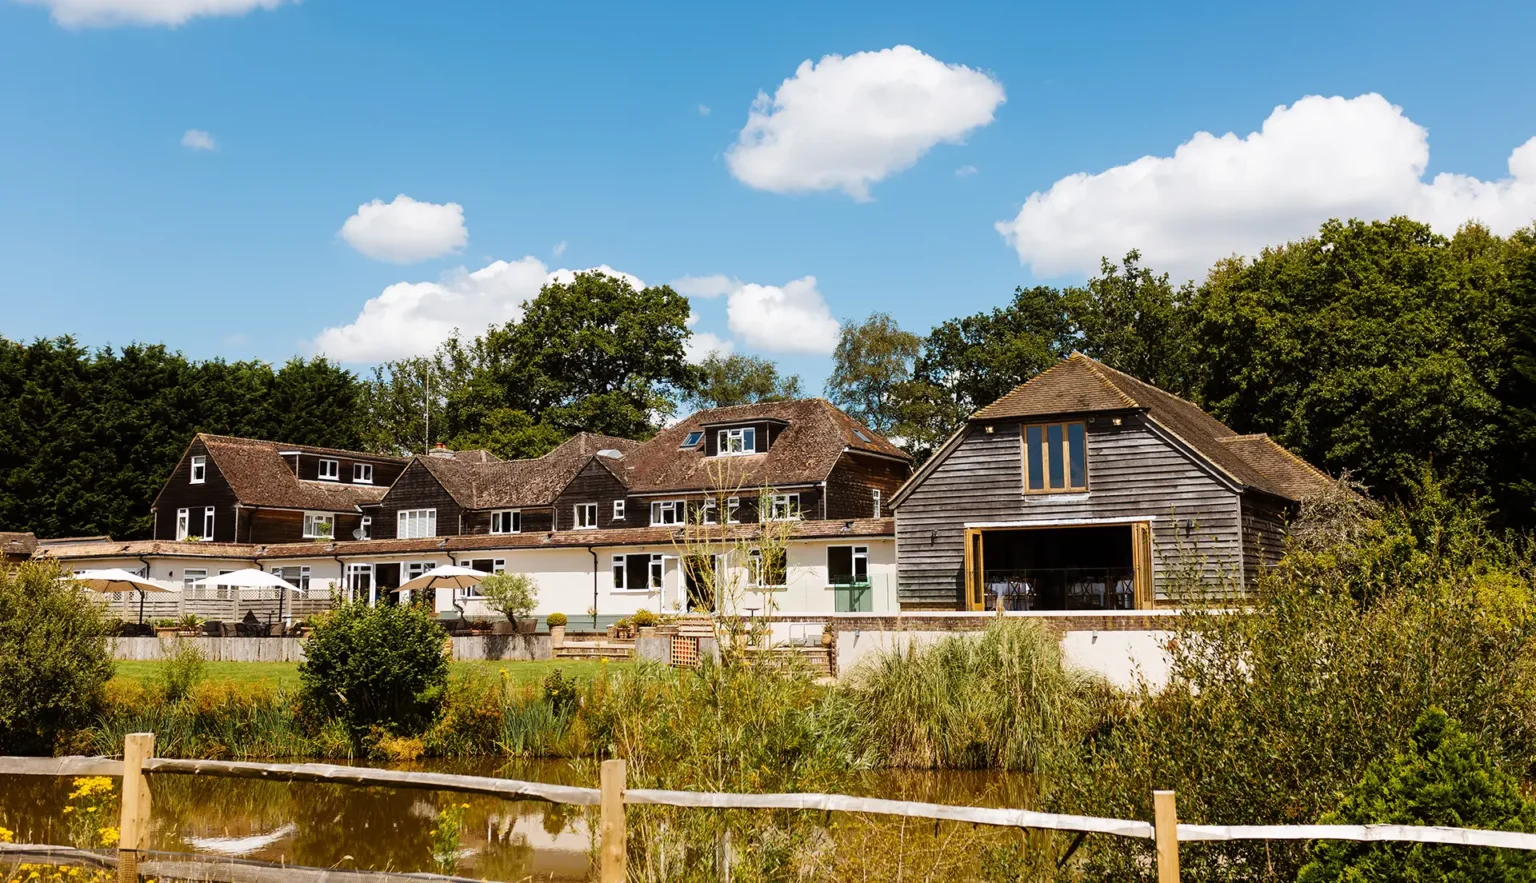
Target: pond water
[(338, 826)]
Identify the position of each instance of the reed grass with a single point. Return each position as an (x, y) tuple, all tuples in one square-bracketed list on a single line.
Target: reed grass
[(1005, 700)]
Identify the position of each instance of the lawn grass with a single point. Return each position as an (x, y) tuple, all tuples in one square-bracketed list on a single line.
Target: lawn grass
[(286, 674)]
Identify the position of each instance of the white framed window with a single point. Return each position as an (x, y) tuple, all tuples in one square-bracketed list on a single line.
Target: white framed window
[(784, 507), (362, 473), (330, 470), (732, 510), (586, 516), (484, 565), (412, 569), (877, 503), (638, 572), (711, 511), (415, 523), (190, 576), (358, 582), (296, 576), (848, 565), (183, 524), (772, 574), (199, 470), (692, 441), (208, 513), (319, 525), (618, 510), (738, 441), (668, 512), (507, 521)]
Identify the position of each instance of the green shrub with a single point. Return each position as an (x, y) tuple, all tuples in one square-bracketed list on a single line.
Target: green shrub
[(1442, 779), (513, 595), (376, 668), (1271, 714), (182, 671), (644, 619), (53, 656), (555, 619)]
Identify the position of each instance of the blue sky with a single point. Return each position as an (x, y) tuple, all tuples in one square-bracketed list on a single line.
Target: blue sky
[(586, 125)]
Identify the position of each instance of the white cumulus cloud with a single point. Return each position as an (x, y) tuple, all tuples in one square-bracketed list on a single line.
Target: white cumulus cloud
[(412, 318), (702, 343), (106, 13), (792, 318), (845, 123), (1317, 159), (197, 139), (405, 231), (705, 286)]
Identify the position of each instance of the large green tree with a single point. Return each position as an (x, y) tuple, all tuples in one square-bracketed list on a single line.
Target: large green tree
[(872, 362), (1377, 347), (967, 363), (590, 354), (725, 380), (88, 437)]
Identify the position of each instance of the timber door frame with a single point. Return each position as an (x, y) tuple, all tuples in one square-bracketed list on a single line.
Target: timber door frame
[(1141, 558)]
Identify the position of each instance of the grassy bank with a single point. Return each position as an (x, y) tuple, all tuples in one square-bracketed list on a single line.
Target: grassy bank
[(285, 675)]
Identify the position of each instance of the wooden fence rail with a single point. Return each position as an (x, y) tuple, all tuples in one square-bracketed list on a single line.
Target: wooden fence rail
[(1165, 831)]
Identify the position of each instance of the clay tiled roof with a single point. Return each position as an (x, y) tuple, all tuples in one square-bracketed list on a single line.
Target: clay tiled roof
[(259, 476), (17, 545), (804, 452), (1079, 384), (106, 547), (804, 530), (511, 484)]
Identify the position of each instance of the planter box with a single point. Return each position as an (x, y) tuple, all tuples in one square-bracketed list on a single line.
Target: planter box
[(557, 635)]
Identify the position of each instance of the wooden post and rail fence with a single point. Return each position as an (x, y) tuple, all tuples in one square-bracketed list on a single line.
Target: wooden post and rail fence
[(139, 764)]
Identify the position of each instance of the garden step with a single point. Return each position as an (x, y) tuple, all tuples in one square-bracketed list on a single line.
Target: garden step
[(817, 657), (594, 650)]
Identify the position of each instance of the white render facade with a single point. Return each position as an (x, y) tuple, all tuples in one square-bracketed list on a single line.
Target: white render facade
[(571, 579)]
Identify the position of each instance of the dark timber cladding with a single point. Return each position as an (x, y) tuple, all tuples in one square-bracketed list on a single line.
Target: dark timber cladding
[(416, 488), (1134, 472), (180, 493), (1202, 500)]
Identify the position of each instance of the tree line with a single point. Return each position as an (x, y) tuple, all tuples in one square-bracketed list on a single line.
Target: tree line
[(1377, 348)]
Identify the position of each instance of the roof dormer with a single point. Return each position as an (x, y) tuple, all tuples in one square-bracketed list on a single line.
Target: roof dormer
[(738, 438)]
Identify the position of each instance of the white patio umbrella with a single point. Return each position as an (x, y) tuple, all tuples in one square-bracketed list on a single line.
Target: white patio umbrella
[(251, 578), (115, 579), (448, 576)]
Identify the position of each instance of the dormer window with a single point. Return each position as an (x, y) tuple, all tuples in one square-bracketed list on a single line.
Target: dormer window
[(362, 473), (738, 441), (199, 470), (330, 470), (692, 441)]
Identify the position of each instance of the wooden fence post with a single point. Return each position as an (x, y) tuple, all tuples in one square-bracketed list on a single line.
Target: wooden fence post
[(613, 829), (133, 827), (1166, 823)]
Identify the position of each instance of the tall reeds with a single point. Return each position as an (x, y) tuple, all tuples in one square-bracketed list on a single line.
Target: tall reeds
[(1004, 701)]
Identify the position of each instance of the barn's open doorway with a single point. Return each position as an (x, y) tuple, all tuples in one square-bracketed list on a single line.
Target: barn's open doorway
[(1069, 567)]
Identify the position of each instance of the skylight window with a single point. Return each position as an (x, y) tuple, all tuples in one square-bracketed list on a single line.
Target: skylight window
[(861, 435), (693, 439)]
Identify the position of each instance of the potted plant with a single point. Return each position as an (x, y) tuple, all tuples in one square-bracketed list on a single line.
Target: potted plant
[(513, 595), (622, 630), (645, 621), (165, 627), (556, 629), (190, 625)]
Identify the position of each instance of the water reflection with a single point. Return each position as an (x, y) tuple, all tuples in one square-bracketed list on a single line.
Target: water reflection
[(387, 829)]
